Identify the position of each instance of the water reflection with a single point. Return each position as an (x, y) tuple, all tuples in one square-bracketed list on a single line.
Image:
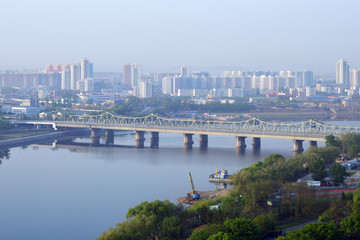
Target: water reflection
[(220, 185), (256, 151), (203, 149), (240, 151), (4, 154), (46, 183)]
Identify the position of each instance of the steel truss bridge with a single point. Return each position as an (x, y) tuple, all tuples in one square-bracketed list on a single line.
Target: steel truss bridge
[(310, 130)]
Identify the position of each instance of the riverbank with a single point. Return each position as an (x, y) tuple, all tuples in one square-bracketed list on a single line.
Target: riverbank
[(299, 115), (18, 138), (206, 195), (22, 132)]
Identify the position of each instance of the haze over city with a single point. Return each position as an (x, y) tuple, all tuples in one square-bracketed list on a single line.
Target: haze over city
[(163, 35)]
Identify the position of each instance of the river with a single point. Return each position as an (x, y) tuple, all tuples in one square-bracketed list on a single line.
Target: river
[(77, 192)]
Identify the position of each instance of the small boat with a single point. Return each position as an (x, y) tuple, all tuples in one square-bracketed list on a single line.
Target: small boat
[(220, 176)]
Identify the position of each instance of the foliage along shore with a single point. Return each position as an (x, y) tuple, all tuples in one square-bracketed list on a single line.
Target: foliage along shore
[(245, 214)]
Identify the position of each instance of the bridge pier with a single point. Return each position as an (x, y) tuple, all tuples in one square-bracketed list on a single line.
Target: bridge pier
[(139, 139), (188, 142), (256, 143), (109, 137), (203, 139), (240, 142), (312, 143), (298, 146), (154, 139), (95, 136)]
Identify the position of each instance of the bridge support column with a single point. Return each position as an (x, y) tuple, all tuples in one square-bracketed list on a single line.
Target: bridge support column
[(256, 143), (139, 139), (109, 136), (95, 136), (312, 143), (240, 142), (154, 139), (188, 142), (298, 146), (203, 139)]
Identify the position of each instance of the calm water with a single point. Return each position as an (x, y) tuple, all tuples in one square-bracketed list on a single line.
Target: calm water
[(78, 192)]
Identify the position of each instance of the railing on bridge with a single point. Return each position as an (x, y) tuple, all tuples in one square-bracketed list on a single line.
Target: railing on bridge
[(252, 125)]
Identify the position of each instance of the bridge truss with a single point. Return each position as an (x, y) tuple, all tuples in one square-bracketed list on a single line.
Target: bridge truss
[(253, 125)]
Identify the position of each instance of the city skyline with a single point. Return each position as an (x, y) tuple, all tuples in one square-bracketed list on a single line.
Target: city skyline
[(162, 35)]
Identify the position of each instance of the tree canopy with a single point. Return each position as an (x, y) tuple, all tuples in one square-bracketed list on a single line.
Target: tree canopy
[(338, 172), (314, 231), (155, 220)]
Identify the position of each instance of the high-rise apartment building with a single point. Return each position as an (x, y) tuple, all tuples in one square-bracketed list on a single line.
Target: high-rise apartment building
[(65, 79), (308, 78), (74, 76), (135, 75), (354, 78), (88, 85), (145, 89), (342, 72), (58, 68), (85, 69), (127, 76), (30, 80), (91, 70), (167, 85), (184, 70)]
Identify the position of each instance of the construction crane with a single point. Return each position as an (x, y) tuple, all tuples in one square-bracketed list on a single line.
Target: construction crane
[(194, 194)]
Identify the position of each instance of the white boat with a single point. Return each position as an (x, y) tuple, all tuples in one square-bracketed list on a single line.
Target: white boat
[(220, 176)]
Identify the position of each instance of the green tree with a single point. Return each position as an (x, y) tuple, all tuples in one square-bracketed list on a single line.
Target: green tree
[(265, 222), (351, 224), (356, 200), (149, 221), (123, 109), (139, 228), (338, 172), (328, 154), (353, 150), (256, 194), (204, 232), (349, 139), (317, 169), (171, 228), (331, 140), (242, 228), (301, 204), (217, 217), (222, 236), (205, 215), (274, 159), (339, 209), (156, 210), (314, 231)]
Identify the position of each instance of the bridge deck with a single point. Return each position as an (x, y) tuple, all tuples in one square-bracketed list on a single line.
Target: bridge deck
[(222, 132), (309, 130)]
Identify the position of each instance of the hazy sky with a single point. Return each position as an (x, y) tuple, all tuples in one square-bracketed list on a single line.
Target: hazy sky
[(162, 34)]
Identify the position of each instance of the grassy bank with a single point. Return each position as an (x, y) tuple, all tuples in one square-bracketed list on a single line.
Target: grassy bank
[(20, 133)]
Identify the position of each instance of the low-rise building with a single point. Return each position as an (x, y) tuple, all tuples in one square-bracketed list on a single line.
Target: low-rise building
[(351, 103), (28, 111)]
